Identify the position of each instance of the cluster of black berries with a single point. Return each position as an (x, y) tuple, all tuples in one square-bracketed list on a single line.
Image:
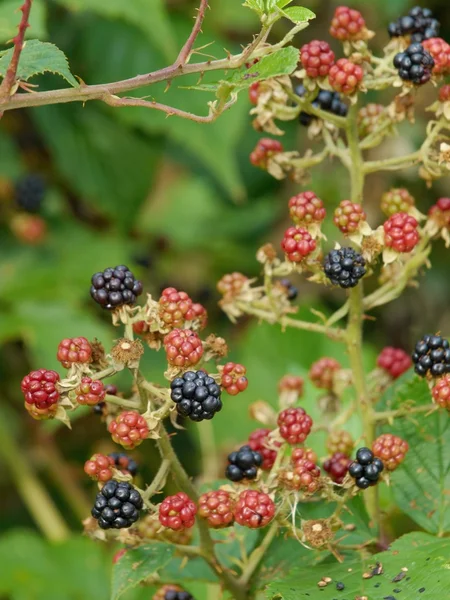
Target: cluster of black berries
[(117, 505), (30, 192), (124, 462), (291, 290), (432, 356), (197, 395), (325, 100), (418, 23), (243, 464), (177, 595), (414, 64), (115, 287), (344, 267), (366, 469)]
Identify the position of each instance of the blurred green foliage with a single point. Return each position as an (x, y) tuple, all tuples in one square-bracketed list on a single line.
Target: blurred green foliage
[(180, 203)]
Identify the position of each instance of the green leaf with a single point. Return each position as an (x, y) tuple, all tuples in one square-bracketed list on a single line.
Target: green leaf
[(256, 5), (137, 565), (150, 16), (426, 575), (282, 3), (420, 485), (298, 14), (36, 58), (10, 18)]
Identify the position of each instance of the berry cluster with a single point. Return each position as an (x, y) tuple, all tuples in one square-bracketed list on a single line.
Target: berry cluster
[(440, 53), (345, 76), (348, 216), (99, 467), (177, 307), (258, 441), (74, 350), (117, 505), (340, 441), (129, 429), (233, 378), (419, 24), (291, 383), (347, 24), (368, 117), (254, 509), (344, 267), (306, 208), (265, 149), (415, 64), (322, 372), (337, 466), (394, 361), (396, 200), (295, 425), (400, 233), (440, 212), (243, 464), (441, 392), (305, 474), (30, 192), (217, 507), (317, 58), (325, 100), (390, 449), (125, 463), (297, 244), (431, 356), (177, 512), (231, 284), (115, 287), (172, 592), (41, 393), (197, 395), (366, 469), (183, 348), (90, 392)]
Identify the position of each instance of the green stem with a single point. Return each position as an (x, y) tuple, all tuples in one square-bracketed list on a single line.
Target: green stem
[(356, 166), (392, 164), (158, 480), (258, 554), (207, 450), (406, 411), (122, 402), (31, 490)]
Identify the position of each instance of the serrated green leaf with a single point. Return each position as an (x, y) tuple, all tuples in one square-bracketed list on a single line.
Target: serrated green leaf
[(10, 18), (283, 3), (298, 14), (256, 5), (137, 565), (427, 574), (37, 58), (421, 484), (150, 16)]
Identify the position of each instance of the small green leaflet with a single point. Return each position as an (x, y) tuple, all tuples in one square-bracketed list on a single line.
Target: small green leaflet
[(36, 58), (298, 14), (256, 5)]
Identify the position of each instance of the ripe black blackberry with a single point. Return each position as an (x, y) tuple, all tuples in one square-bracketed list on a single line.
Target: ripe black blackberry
[(30, 192), (431, 356), (291, 290), (197, 395), (325, 100), (414, 64), (243, 464), (124, 462), (366, 469), (344, 267), (117, 505), (98, 409), (115, 287), (418, 23)]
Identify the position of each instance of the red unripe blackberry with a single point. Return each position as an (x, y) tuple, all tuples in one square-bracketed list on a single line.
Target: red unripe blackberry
[(347, 24), (111, 389), (265, 149), (306, 208), (348, 216), (254, 509), (317, 58), (345, 76), (299, 454), (233, 379), (440, 212), (337, 466), (441, 392), (150, 528), (400, 232), (177, 512), (391, 449), (340, 441), (141, 327), (129, 429), (39, 389), (291, 383), (175, 308), (305, 476), (297, 244), (295, 425), (99, 467), (253, 93), (258, 441), (368, 117), (323, 371), (183, 348), (217, 507), (74, 350), (29, 229), (200, 314), (440, 51), (394, 361), (444, 93), (231, 284), (396, 200), (90, 392)]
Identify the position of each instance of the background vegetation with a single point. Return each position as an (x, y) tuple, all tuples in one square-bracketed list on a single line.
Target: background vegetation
[(180, 203)]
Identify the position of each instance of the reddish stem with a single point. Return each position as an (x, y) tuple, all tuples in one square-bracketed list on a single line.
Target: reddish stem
[(18, 40), (185, 51)]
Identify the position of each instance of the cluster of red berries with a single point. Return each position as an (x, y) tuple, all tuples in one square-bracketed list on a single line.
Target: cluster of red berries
[(233, 378), (391, 449), (294, 425), (303, 473), (74, 350), (260, 442), (440, 212), (323, 372), (298, 244), (231, 284), (219, 508), (340, 445), (100, 467), (306, 208), (400, 232), (441, 392), (90, 392), (291, 383), (347, 24), (177, 307), (265, 149), (41, 393), (394, 361), (129, 429), (348, 216), (317, 58), (183, 348)]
